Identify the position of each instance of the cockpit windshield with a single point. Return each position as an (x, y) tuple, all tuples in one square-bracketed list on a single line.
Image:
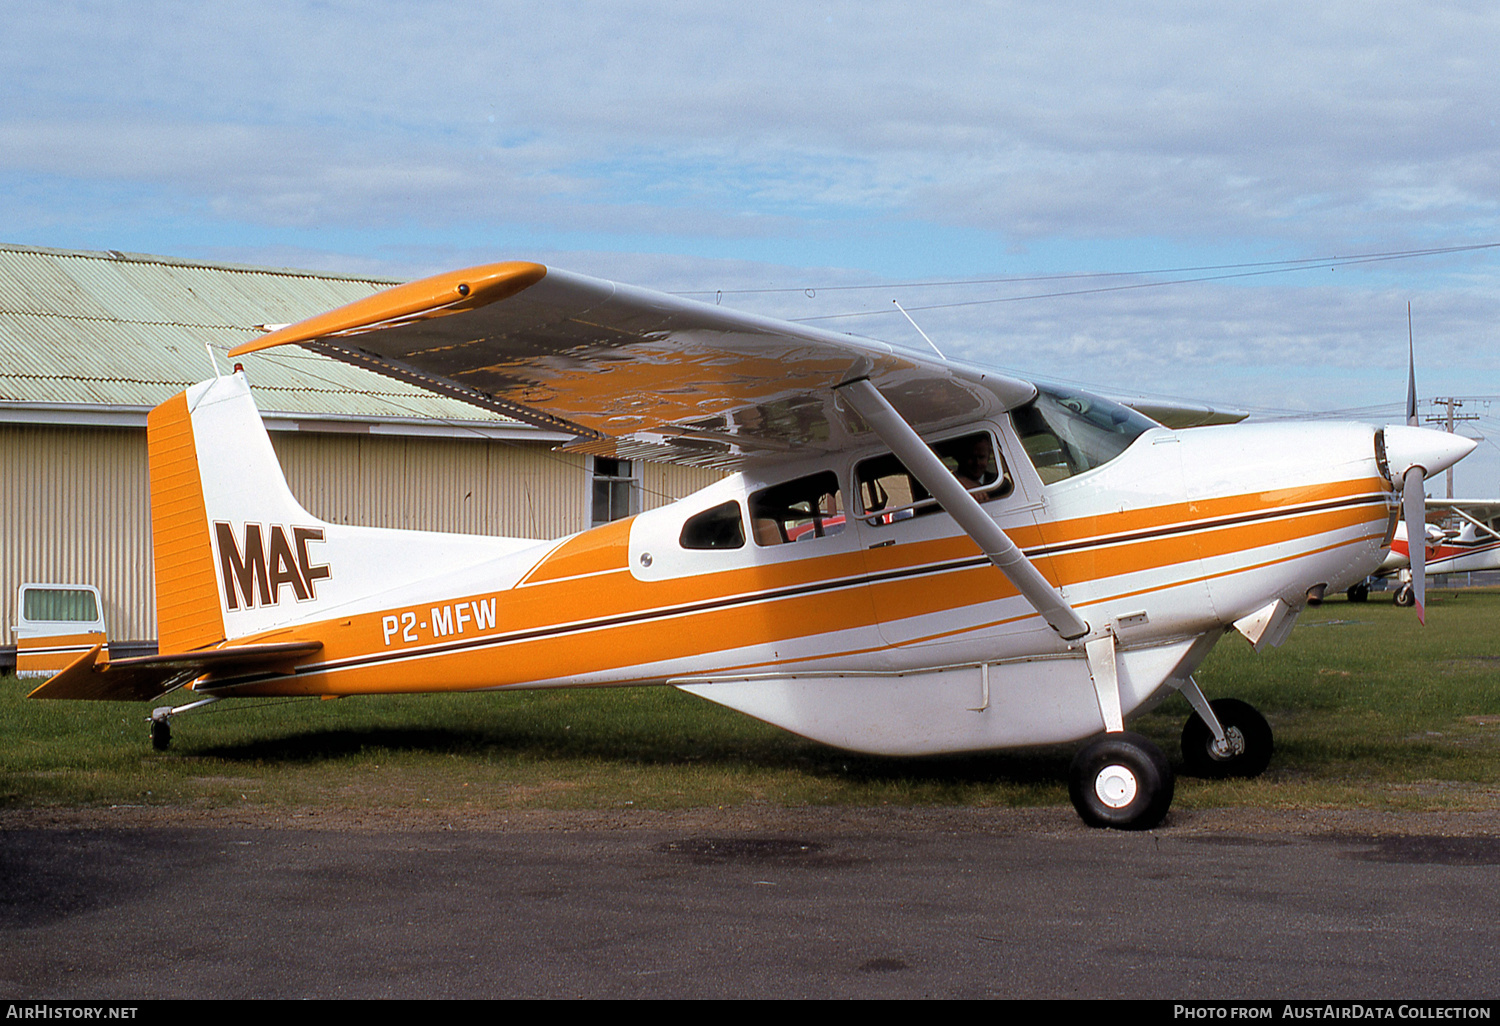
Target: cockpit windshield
[(1067, 432)]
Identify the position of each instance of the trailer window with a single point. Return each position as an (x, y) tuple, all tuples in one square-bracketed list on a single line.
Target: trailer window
[(60, 604)]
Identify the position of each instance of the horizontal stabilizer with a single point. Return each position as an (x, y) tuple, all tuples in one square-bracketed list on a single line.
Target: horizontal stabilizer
[(146, 677)]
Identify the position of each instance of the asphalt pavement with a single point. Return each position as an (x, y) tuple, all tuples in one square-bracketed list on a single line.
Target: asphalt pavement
[(874, 903)]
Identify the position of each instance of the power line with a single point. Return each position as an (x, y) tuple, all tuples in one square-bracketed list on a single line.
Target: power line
[(1279, 266), (1330, 263)]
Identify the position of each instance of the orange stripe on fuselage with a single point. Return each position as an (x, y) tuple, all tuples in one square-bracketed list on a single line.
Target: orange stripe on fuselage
[(1185, 513), (581, 611), (602, 549)]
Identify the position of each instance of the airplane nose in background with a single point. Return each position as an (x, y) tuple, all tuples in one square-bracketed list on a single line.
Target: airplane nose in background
[(1433, 451)]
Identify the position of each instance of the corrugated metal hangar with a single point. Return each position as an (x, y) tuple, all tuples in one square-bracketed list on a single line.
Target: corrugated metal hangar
[(90, 342)]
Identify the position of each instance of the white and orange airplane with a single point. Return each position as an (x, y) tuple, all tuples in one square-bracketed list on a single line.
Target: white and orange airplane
[(912, 555)]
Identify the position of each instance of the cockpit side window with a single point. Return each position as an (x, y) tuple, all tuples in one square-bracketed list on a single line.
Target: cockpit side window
[(888, 492), (717, 528), (1066, 432), (798, 510)]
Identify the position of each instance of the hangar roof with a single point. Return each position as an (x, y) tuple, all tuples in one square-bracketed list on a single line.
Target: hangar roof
[(102, 338)]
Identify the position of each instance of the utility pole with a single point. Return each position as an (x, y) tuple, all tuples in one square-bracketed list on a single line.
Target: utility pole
[(1448, 421)]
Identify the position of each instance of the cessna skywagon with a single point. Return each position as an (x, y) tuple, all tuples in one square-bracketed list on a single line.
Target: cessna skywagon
[(911, 556)]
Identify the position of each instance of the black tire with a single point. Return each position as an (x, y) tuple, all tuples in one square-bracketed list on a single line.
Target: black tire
[(1359, 593), (1406, 596), (1121, 781), (1249, 735), (161, 735)]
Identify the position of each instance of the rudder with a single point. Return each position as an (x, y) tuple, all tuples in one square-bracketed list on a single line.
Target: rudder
[(187, 595)]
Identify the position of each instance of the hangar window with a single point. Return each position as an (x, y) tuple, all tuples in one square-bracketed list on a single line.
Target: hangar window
[(616, 486), (808, 507), (888, 492), (717, 528)]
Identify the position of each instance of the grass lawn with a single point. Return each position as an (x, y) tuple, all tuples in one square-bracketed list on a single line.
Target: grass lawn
[(1369, 711)]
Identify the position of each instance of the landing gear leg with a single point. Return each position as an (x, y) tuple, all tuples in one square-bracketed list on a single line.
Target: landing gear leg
[(1406, 595), (1121, 780)]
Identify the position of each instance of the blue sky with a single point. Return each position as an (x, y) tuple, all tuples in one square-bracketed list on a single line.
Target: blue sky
[(805, 146)]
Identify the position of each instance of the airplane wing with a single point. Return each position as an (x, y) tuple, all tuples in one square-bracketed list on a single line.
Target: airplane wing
[(636, 374), (146, 677), (1173, 413), (1487, 510)]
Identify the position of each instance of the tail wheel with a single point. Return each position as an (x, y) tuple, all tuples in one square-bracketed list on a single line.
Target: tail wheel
[(1121, 781), (161, 734), (1245, 751)]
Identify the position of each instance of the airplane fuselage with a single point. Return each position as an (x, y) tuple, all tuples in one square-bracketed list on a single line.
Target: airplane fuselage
[(1166, 545)]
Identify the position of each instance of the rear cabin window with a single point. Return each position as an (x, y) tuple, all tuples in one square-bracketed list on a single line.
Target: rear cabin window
[(797, 511), (717, 528), (888, 492), (55, 604)]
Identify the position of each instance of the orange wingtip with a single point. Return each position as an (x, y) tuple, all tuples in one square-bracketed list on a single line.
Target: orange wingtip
[(427, 297)]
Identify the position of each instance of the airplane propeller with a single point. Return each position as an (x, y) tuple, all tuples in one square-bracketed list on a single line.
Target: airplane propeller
[(1414, 454), (1414, 513)]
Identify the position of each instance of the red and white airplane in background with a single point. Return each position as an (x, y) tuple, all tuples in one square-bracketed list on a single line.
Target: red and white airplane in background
[(1469, 544), (911, 555)]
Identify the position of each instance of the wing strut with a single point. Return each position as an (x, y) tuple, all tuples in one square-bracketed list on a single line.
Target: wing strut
[(924, 465)]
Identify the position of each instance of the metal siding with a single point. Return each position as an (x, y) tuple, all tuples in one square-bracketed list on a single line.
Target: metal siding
[(513, 489), (94, 328), (77, 512), (664, 483), (37, 282)]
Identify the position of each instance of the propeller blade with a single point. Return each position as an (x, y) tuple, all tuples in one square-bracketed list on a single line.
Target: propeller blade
[(1414, 513), (1411, 374)]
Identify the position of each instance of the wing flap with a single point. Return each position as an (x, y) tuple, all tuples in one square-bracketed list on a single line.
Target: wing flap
[(146, 677)]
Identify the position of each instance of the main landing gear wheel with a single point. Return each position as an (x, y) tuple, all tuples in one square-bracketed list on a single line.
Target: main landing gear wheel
[(1359, 593), (1121, 781), (1406, 596), (1246, 750)]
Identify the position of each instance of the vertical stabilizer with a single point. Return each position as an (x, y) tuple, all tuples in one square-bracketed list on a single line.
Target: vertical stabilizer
[(187, 595), (232, 544)]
